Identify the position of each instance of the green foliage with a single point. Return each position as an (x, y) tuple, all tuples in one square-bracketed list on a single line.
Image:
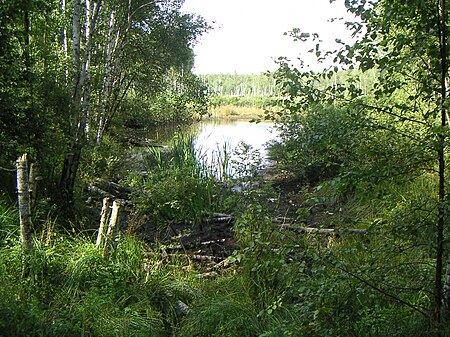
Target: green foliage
[(181, 98), (227, 312), (136, 51), (367, 132), (241, 101), (374, 132), (322, 137), (8, 218), (178, 186), (109, 161), (72, 290)]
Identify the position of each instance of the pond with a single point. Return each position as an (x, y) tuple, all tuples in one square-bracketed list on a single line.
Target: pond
[(214, 139), (242, 141)]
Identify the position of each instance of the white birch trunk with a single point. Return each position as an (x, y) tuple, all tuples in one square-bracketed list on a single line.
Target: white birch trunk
[(113, 83), (79, 108), (24, 204), (77, 83), (64, 36), (113, 37), (86, 69)]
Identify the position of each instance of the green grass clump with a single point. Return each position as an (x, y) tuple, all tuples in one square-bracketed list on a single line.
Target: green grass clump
[(71, 290), (179, 186)]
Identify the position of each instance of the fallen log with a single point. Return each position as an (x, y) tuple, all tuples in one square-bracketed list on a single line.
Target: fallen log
[(95, 190), (220, 218), (192, 245), (207, 258), (326, 231), (208, 275), (197, 257), (113, 188)]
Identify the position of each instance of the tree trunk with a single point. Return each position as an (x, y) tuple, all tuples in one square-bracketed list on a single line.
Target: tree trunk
[(92, 12), (34, 178), (446, 302), (438, 289), (113, 36), (113, 82), (79, 108), (64, 37), (72, 160), (70, 168), (24, 204)]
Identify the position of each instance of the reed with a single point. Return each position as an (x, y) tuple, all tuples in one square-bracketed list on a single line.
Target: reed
[(182, 184), (236, 112), (8, 220)]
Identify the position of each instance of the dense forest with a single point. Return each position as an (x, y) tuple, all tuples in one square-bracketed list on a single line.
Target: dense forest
[(71, 71), (106, 233)]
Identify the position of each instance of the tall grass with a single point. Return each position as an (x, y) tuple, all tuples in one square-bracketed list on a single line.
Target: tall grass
[(8, 216), (71, 290), (180, 185)]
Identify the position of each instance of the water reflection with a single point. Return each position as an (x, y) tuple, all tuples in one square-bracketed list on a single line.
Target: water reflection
[(215, 138), (215, 134)]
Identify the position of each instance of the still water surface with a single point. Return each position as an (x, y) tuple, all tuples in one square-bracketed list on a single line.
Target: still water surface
[(212, 138), (213, 135)]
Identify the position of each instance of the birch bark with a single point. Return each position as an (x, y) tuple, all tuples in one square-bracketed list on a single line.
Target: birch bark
[(24, 204)]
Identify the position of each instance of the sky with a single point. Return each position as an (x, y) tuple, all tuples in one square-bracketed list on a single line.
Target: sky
[(248, 34)]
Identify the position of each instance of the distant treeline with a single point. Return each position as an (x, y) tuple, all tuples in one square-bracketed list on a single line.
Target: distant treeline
[(264, 84), (260, 90), (240, 85)]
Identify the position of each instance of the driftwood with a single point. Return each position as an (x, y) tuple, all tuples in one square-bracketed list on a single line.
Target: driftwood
[(211, 274), (223, 264), (95, 190), (194, 245), (288, 223), (198, 257), (222, 218), (144, 143), (207, 258), (108, 189)]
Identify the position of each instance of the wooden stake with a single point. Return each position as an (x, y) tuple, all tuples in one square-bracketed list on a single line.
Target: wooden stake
[(112, 227), (103, 219)]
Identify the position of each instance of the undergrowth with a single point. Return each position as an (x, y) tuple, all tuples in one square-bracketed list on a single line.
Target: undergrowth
[(282, 282)]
